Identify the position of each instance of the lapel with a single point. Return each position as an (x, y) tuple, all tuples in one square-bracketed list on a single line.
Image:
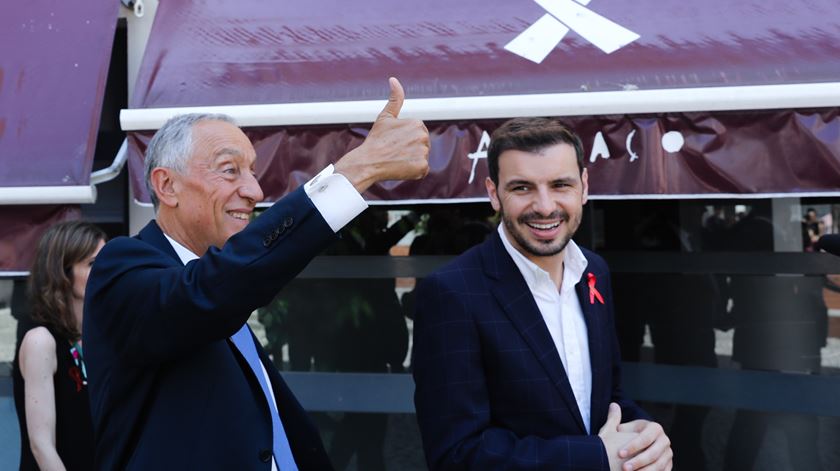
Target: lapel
[(595, 335), (153, 235), (516, 300)]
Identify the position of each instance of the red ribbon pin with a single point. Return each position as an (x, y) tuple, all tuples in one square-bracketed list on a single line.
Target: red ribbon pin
[(76, 376), (593, 292)]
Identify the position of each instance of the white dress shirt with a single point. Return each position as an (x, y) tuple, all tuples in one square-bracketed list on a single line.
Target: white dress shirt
[(337, 201), (563, 316)]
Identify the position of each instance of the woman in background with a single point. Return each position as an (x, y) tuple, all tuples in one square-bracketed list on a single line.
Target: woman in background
[(50, 384)]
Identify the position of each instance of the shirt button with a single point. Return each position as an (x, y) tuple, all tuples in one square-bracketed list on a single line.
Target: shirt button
[(265, 456)]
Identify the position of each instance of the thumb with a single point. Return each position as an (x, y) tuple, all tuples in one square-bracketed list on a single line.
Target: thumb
[(395, 100), (613, 419)]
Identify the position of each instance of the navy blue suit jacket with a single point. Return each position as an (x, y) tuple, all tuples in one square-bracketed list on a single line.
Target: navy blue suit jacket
[(492, 392), (168, 390)]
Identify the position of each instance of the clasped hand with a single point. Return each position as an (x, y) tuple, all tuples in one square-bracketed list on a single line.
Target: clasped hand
[(636, 445)]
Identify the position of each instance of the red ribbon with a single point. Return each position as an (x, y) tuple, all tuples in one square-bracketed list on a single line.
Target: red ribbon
[(593, 292), (76, 376)]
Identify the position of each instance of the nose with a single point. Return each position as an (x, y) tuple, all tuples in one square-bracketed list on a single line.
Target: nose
[(543, 203), (250, 188)]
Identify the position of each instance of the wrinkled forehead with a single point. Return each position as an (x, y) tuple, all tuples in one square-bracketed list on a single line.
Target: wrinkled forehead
[(214, 140)]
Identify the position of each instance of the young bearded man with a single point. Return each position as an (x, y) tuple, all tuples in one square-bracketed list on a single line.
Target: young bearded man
[(516, 360)]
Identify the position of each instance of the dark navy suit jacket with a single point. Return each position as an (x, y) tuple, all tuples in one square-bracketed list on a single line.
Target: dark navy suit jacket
[(168, 390), (492, 392)]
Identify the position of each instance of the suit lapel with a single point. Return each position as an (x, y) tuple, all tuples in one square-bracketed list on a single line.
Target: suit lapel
[(153, 235), (513, 295), (595, 336)]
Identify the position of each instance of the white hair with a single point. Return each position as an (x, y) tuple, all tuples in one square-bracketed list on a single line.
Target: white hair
[(172, 145)]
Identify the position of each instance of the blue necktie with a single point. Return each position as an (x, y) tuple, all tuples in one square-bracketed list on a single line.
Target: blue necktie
[(282, 452)]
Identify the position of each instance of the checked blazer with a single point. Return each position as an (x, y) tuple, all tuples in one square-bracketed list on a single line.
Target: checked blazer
[(491, 390)]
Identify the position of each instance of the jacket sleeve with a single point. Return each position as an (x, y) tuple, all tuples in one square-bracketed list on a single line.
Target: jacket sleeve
[(148, 307), (453, 401)]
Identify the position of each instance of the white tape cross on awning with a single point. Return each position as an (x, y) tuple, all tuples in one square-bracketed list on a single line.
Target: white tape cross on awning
[(536, 42)]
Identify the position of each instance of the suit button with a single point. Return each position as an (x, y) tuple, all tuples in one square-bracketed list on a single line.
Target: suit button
[(288, 222), (265, 456), (267, 241), (276, 233)]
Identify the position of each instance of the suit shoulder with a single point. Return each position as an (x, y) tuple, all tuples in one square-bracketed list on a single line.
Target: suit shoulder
[(596, 262), (123, 254), (120, 247), (454, 270)]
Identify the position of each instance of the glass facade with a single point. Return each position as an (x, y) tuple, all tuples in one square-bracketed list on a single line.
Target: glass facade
[(729, 325), (727, 319)]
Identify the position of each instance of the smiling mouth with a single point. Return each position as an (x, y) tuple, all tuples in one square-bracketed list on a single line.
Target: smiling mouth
[(543, 227), (239, 215)]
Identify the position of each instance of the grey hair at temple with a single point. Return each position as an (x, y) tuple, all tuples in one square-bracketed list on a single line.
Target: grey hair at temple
[(172, 145)]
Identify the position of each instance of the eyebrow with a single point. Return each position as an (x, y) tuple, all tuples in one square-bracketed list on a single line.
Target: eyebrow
[(514, 183), (227, 151)]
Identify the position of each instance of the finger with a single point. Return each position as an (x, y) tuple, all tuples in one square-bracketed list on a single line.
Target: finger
[(634, 426), (395, 100), (665, 462), (652, 457), (644, 440), (613, 419)]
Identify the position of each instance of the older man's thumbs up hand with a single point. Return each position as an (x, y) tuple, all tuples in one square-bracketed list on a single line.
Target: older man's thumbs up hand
[(395, 149)]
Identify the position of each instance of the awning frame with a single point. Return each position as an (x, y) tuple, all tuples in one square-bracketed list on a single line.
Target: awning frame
[(740, 98)]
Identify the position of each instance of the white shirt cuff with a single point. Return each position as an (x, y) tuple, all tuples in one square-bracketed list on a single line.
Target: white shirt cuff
[(334, 197)]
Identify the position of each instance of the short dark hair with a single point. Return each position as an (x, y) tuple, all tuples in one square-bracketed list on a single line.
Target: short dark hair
[(51, 277), (530, 135)]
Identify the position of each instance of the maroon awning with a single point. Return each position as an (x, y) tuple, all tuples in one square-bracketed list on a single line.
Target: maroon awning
[(22, 228), (52, 78), (474, 53)]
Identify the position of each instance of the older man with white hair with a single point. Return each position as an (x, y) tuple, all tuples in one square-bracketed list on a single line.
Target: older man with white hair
[(177, 379)]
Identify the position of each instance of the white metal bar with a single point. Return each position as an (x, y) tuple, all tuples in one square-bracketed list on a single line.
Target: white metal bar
[(679, 196), (760, 97), (24, 195), (110, 173)]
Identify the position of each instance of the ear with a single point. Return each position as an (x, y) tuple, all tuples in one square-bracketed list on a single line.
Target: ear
[(165, 186), (584, 178), (492, 193)]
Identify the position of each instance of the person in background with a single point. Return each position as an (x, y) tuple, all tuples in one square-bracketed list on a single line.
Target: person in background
[(812, 229), (50, 384)]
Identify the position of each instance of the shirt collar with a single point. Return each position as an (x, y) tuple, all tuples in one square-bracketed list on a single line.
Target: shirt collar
[(183, 253), (574, 263)]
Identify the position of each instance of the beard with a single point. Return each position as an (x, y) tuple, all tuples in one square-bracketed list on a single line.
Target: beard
[(539, 248)]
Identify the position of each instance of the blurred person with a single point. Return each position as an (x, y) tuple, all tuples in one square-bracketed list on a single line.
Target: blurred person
[(178, 380), (680, 310), (812, 229), (516, 361), (781, 324), (49, 374), (358, 328)]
